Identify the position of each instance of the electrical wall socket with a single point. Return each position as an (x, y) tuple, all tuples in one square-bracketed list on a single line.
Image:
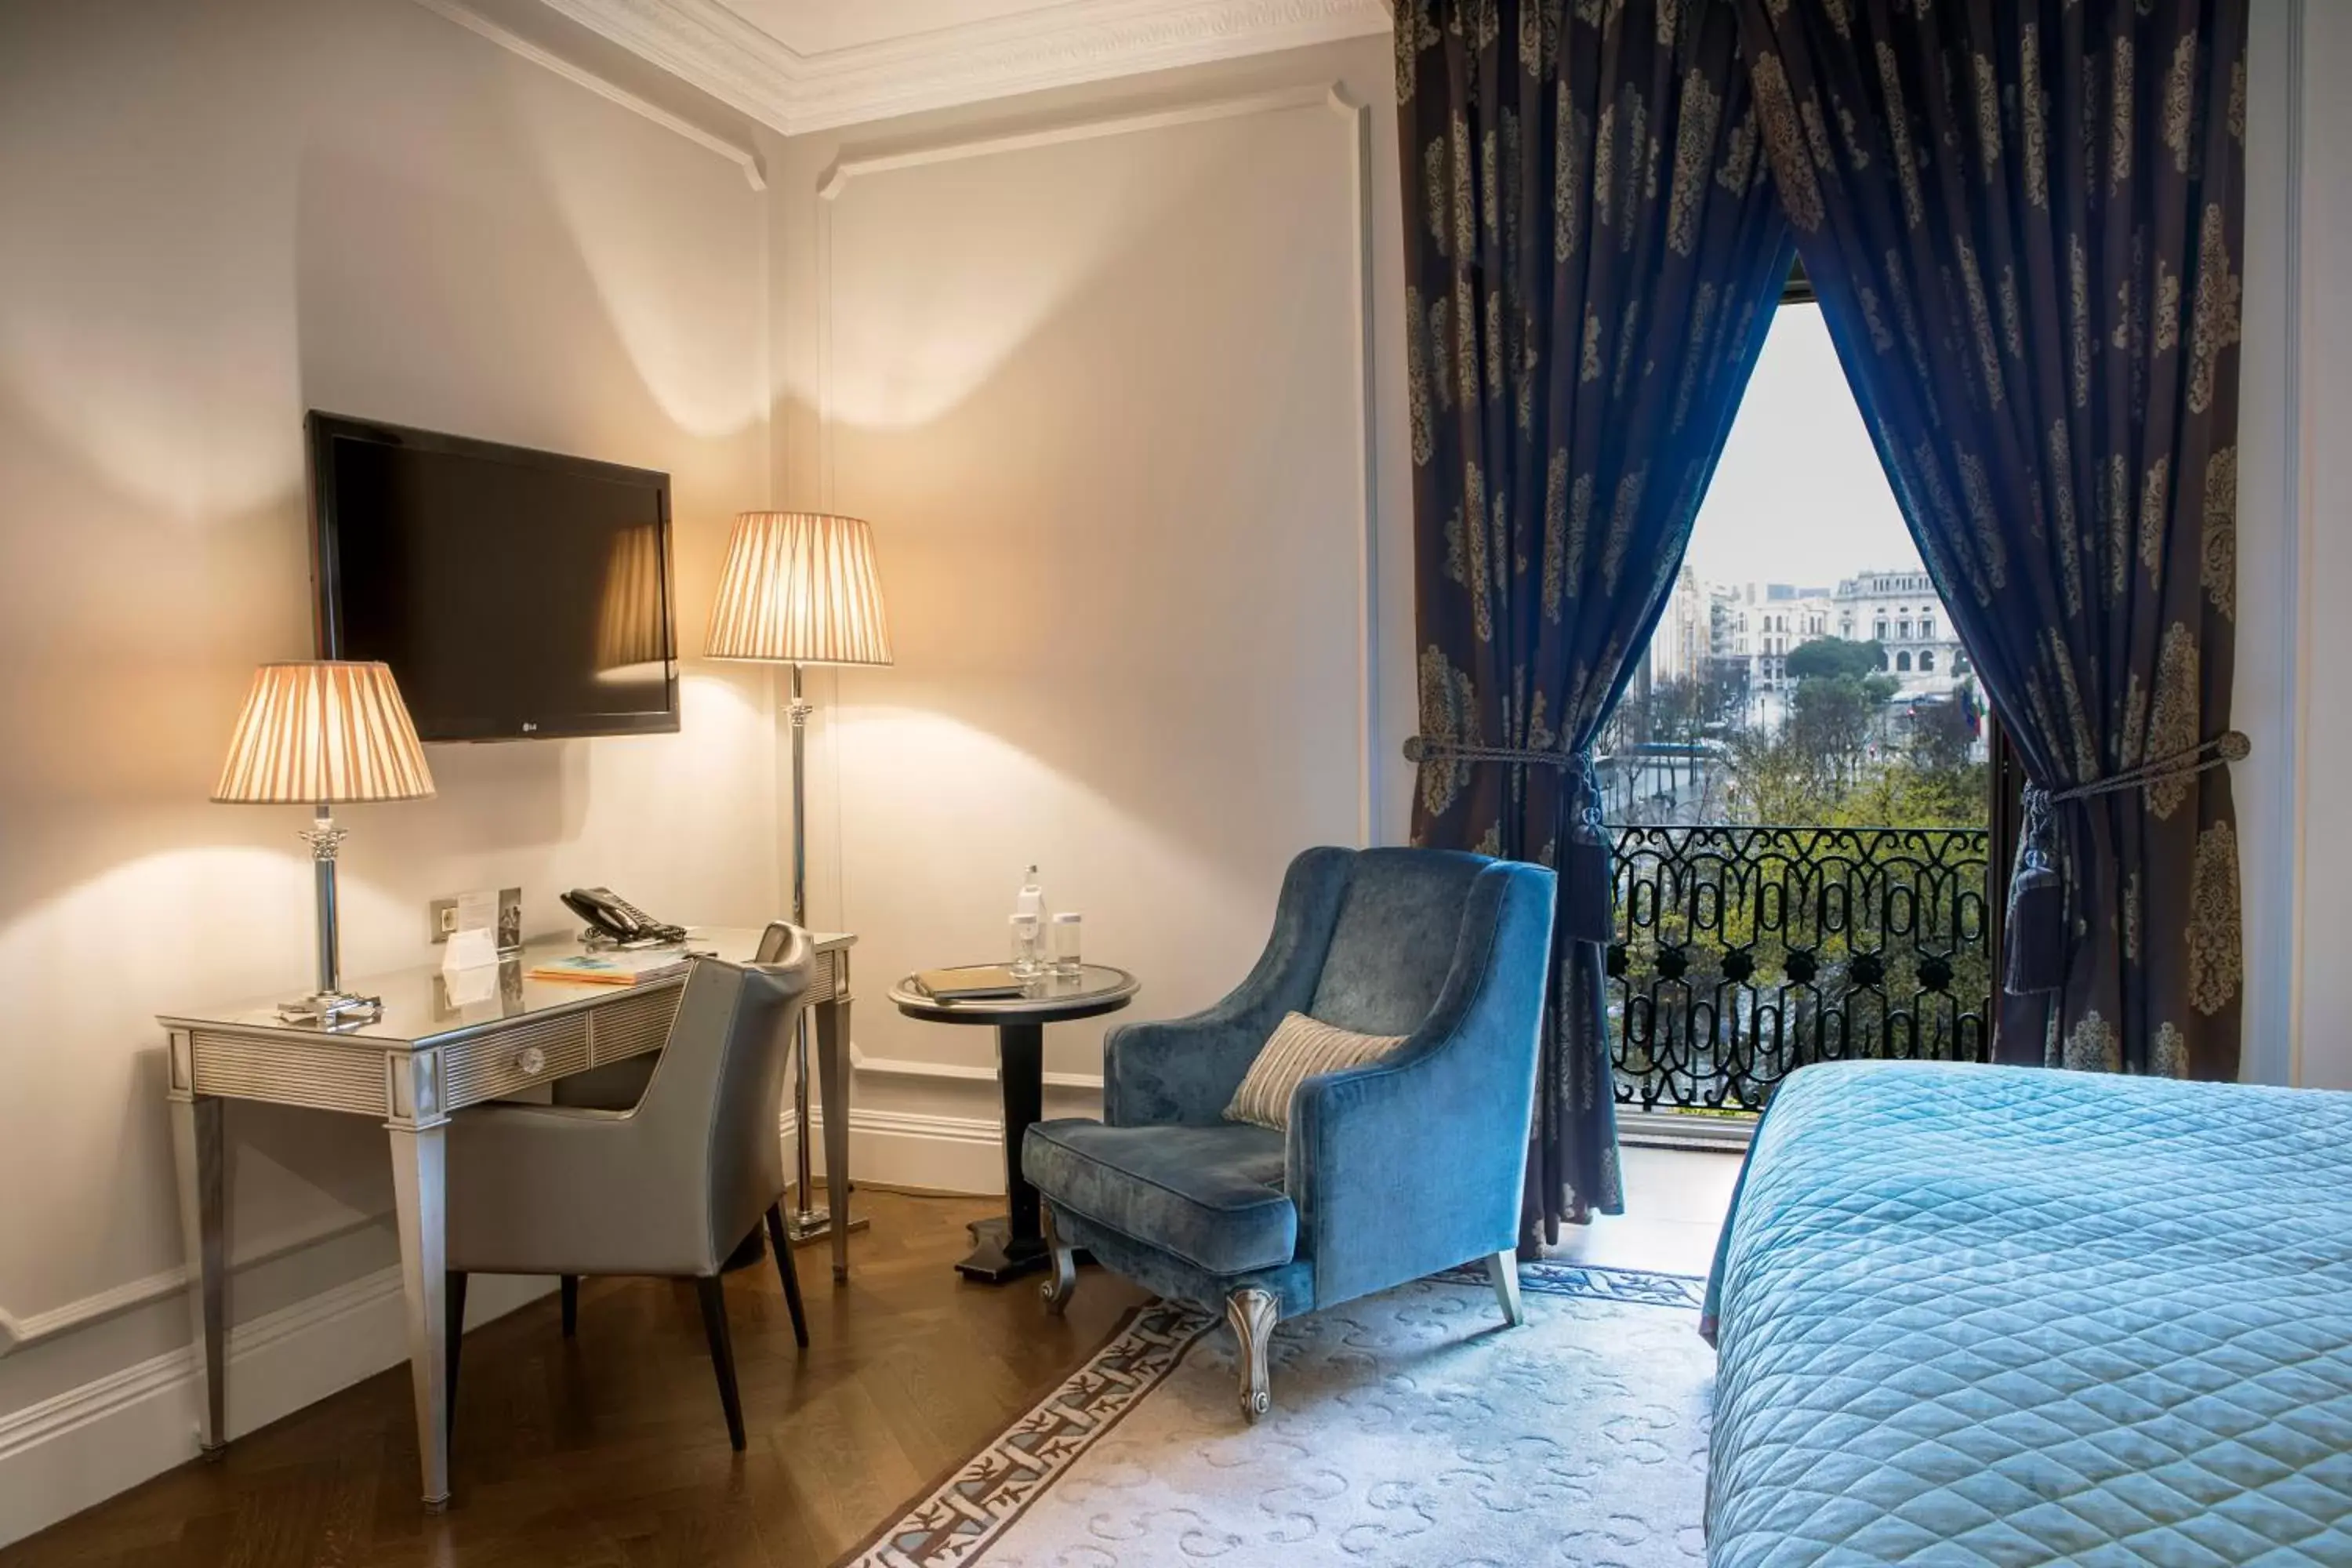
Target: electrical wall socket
[(441, 918)]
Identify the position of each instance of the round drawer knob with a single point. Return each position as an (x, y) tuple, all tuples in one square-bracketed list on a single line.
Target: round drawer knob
[(531, 1058)]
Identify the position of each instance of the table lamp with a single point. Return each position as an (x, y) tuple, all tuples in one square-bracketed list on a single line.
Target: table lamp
[(316, 733), (800, 588)]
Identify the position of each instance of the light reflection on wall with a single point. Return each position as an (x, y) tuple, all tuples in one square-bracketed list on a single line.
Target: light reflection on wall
[(946, 330), (635, 261)]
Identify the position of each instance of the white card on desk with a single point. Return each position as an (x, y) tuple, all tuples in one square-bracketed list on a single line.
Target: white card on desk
[(476, 949)]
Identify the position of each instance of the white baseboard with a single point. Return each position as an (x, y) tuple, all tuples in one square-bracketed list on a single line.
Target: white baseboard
[(901, 1148), (84, 1445)]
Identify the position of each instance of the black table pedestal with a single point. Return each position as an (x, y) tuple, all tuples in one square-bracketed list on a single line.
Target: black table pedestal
[(1013, 1244)]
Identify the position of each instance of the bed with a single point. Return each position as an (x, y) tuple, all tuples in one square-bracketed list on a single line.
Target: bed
[(1976, 1315)]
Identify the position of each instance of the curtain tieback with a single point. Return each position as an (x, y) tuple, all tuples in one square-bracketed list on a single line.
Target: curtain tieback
[(2038, 920), (1585, 912)]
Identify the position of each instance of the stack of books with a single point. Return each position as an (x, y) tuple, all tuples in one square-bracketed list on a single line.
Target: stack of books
[(616, 968)]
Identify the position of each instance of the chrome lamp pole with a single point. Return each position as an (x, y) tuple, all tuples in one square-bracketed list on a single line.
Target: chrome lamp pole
[(807, 1221)]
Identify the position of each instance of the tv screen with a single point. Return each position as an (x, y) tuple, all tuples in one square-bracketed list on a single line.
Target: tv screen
[(515, 594)]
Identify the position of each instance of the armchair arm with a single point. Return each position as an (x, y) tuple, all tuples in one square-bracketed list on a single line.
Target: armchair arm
[(1414, 1163), (1185, 1070)]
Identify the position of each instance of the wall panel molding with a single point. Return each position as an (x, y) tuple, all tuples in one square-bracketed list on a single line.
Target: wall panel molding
[(995, 141), (18, 1331), (81, 1446)]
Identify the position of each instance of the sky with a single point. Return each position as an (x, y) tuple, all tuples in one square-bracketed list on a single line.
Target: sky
[(1798, 495)]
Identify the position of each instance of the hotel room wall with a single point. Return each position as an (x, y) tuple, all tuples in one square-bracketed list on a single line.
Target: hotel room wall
[(1101, 367), (2295, 534), (216, 216)]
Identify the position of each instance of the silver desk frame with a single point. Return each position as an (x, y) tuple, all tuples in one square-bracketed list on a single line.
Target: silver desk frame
[(426, 1058)]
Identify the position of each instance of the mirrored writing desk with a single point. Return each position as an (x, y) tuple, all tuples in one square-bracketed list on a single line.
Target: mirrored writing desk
[(431, 1054)]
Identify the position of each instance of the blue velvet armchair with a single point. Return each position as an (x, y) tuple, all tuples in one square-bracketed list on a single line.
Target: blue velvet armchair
[(1390, 1170)]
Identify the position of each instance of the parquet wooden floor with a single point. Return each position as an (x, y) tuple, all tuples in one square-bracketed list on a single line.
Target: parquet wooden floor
[(611, 1449)]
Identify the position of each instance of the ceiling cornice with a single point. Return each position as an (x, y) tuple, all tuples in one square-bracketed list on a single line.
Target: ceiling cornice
[(707, 45)]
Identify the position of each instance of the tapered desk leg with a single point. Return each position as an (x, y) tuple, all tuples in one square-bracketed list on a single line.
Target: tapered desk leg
[(833, 1096), (196, 1143), (1009, 1247), (419, 1167)]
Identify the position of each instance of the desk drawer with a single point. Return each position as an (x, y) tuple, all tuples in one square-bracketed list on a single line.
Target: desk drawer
[(507, 1061), (632, 1026)]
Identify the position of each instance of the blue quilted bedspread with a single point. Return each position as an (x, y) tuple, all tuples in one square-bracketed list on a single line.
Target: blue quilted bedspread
[(1987, 1315)]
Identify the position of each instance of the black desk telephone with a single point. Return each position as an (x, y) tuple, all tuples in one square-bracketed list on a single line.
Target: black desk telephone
[(609, 914)]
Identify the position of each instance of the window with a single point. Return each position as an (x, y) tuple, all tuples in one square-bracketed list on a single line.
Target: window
[(1926, 659), (1798, 538), (1903, 630)]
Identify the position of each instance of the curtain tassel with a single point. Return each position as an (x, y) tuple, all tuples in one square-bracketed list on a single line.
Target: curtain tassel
[(2038, 942)]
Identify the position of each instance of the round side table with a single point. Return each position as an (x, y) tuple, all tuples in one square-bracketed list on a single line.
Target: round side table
[(1007, 1248)]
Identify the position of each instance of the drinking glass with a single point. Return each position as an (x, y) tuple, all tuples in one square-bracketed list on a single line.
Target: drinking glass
[(1066, 944), (1028, 948)]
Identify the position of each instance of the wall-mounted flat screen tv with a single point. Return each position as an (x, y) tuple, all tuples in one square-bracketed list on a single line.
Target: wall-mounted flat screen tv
[(515, 594)]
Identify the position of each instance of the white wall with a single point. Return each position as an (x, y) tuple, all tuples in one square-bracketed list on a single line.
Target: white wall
[(216, 216), (1098, 366)]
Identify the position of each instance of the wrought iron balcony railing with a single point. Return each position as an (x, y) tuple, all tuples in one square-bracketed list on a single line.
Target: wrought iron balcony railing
[(1743, 953)]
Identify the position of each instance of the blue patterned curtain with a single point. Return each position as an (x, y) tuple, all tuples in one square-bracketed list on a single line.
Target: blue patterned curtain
[(1592, 255), (2023, 219)]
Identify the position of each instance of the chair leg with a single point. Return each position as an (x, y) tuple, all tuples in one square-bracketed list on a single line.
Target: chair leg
[(782, 1245), (1251, 1312), (713, 1292), (1503, 1270), (570, 1305), (1062, 1283), (454, 1301)]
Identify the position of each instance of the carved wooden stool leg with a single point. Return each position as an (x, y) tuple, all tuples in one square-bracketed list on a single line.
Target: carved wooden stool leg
[(1503, 1268), (1251, 1312), (1062, 1281)]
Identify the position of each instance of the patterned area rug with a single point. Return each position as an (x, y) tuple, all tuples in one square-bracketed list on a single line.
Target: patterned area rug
[(1408, 1428)]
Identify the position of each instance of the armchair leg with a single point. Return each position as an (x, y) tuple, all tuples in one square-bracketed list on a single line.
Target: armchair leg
[(722, 1353), (1251, 1312), (571, 1304), (1063, 1281), (1503, 1268), (781, 1245)]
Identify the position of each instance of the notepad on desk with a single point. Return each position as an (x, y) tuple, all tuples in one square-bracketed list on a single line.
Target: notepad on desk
[(618, 968), (972, 983)]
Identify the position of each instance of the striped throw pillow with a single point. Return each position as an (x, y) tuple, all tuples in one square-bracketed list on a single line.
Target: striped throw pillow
[(1299, 1048)]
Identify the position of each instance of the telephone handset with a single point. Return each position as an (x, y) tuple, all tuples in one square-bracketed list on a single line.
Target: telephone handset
[(610, 915)]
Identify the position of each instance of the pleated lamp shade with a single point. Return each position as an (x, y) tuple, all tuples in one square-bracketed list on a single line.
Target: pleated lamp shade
[(800, 587), (319, 732)]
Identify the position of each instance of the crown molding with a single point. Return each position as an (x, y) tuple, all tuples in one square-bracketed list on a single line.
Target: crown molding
[(711, 47), (755, 172)]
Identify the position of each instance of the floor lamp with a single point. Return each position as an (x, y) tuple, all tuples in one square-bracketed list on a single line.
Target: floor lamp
[(799, 588)]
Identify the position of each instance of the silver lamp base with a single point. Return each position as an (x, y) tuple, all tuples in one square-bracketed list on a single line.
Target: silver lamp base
[(332, 1009), (803, 1226)]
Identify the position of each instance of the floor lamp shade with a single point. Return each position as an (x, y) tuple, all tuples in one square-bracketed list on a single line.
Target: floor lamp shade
[(800, 587), (323, 731)]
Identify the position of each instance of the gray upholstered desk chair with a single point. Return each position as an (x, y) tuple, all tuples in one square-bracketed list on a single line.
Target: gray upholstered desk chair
[(1389, 1171), (667, 1187)]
